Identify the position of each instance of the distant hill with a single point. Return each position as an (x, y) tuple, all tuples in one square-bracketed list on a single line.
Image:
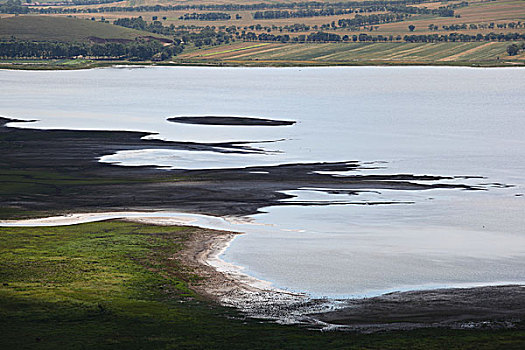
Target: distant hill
[(47, 28)]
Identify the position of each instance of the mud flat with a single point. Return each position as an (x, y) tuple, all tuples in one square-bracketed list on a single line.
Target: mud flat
[(459, 308), (75, 181)]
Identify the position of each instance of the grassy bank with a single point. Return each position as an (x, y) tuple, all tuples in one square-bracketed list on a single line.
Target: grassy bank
[(114, 285)]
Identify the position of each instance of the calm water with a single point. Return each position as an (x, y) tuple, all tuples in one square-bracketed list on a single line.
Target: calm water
[(433, 121)]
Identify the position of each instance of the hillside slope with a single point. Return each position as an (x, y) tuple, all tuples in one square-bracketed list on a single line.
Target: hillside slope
[(47, 28)]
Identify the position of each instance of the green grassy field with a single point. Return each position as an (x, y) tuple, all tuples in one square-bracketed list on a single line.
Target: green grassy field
[(47, 28), (112, 285)]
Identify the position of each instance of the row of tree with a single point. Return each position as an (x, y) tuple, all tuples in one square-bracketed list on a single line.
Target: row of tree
[(207, 16), (15, 6), (133, 50), (399, 10), (458, 37), (275, 14), (359, 20), (331, 37), (68, 2), (443, 11), (473, 26), (292, 28)]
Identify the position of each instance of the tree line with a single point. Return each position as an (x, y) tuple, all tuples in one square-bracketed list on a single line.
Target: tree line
[(459, 37), (331, 37), (69, 2), (443, 11), (359, 20), (15, 6), (133, 50), (207, 16), (492, 25), (276, 14)]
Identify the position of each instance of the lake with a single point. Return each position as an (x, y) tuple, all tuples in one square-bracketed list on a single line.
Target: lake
[(464, 123)]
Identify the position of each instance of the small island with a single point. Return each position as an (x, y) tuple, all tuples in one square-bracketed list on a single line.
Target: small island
[(229, 121)]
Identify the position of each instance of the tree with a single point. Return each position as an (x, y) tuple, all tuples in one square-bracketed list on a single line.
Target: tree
[(411, 27), (513, 50)]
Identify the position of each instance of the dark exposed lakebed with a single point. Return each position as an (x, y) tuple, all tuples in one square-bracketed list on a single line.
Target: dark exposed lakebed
[(230, 121)]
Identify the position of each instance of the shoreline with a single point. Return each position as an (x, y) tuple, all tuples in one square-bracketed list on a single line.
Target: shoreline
[(232, 288), (486, 307), (258, 64)]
